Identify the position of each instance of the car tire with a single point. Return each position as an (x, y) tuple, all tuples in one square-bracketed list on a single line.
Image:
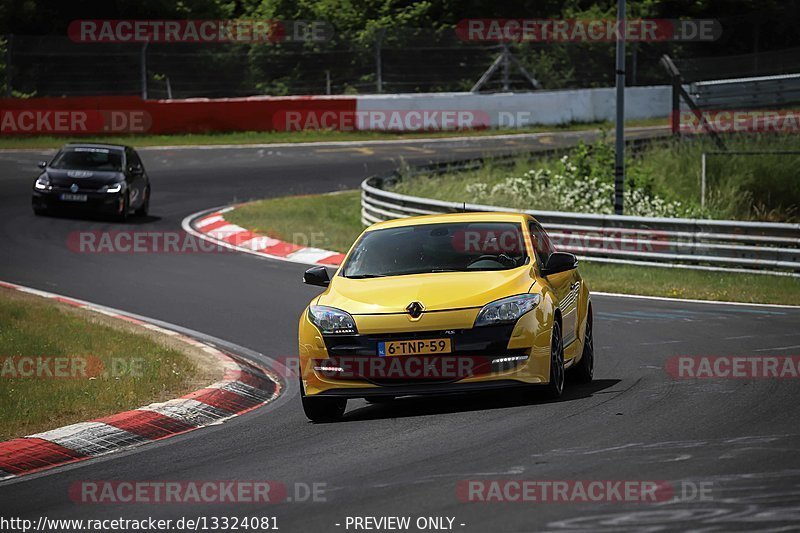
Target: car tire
[(39, 212), (145, 207), (126, 207), (380, 400), (555, 387), (584, 371), (324, 409)]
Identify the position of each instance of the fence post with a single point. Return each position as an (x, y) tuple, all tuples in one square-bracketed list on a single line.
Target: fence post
[(675, 77), (9, 44), (619, 153), (676, 105), (506, 65), (703, 180), (144, 71), (378, 63)]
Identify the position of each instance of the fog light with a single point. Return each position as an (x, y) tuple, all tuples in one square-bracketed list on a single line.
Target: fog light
[(329, 369), (509, 359)]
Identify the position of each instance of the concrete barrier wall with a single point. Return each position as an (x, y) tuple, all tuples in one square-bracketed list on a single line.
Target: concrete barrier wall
[(524, 109), (398, 112)]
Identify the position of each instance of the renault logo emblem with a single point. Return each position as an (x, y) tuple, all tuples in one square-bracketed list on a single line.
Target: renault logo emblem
[(73, 187), (415, 309)]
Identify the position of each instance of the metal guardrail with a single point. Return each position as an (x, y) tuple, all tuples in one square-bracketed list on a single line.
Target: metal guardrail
[(747, 93), (699, 244)]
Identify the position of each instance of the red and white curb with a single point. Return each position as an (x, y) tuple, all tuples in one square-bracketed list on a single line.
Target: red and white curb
[(244, 387), (213, 227)]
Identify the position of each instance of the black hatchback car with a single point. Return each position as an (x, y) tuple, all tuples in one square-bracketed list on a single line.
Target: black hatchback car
[(103, 178)]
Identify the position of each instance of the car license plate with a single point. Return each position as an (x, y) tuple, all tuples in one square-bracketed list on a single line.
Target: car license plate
[(69, 197), (414, 347)]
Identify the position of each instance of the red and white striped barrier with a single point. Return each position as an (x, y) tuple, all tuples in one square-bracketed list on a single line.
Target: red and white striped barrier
[(244, 387), (213, 226)]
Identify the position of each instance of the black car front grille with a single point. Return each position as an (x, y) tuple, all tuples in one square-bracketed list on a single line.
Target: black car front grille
[(487, 340), (81, 190)]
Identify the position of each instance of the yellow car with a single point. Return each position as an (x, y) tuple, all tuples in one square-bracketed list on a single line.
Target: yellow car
[(440, 304)]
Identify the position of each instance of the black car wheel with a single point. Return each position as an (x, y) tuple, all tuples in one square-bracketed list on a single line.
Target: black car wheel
[(554, 389), (144, 209), (584, 371), (122, 216), (322, 409)]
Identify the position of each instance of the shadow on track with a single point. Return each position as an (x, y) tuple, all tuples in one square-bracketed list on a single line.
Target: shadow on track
[(132, 220), (474, 401)]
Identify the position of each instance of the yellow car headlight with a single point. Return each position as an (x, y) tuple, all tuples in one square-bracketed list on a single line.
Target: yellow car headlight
[(332, 321), (506, 311)]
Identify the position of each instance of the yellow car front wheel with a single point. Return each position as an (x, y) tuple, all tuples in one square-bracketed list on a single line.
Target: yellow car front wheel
[(322, 409), (584, 370), (555, 387)]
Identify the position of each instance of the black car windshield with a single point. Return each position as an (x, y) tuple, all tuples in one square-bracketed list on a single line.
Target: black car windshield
[(87, 158), (446, 247)]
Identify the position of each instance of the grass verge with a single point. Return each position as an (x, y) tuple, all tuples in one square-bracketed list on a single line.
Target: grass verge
[(84, 365), (299, 219), (267, 137), (327, 221), (691, 284)]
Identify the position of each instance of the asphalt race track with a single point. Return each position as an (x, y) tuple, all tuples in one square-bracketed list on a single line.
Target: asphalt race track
[(635, 422)]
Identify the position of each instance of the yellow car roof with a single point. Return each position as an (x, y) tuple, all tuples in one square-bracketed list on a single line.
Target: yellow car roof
[(453, 217)]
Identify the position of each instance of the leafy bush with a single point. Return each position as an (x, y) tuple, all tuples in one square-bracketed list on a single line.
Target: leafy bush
[(582, 181)]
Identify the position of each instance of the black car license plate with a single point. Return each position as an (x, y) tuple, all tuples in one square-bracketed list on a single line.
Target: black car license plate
[(69, 197)]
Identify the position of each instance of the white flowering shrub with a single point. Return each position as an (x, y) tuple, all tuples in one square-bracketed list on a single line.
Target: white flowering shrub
[(582, 182), (478, 190)]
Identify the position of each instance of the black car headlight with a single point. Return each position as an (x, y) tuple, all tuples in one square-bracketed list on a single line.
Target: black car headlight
[(43, 183), (113, 187), (506, 311), (331, 321)]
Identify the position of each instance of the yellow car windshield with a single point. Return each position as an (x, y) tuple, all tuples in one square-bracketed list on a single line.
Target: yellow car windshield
[(444, 247)]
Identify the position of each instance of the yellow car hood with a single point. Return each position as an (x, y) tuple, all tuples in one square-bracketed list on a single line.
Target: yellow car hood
[(436, 291)]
